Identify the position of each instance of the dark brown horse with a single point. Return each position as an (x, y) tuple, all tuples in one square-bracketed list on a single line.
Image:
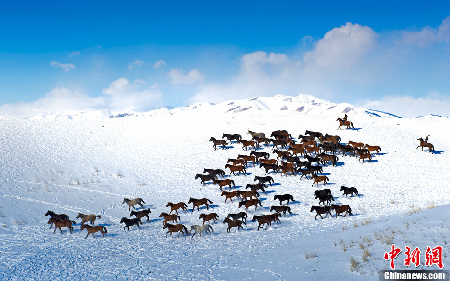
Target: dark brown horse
[(208, 217), (281, 209), (140, 214), (199, 202), (223, 143), (233, 223), (263, 220), (175, 207), (339, 209), (249, 203), (175, 228)]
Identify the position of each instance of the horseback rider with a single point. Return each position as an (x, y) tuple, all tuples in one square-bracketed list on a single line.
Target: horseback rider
[(426, 138), (345, 117)]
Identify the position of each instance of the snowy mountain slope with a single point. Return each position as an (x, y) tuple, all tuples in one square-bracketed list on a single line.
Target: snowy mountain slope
[(90, 164)]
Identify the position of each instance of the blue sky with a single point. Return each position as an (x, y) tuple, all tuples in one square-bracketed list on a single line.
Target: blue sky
[(121, 55)]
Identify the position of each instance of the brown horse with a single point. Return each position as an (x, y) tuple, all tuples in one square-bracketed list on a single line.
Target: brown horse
[(229, 195), (425, 144), (281, 209), (88, 218), (356, 144), (93, 229), (365, 156), (233, 223), (175, 228), (247, 158), (345, 123), (318, 179), (175, 207), (251, 202), (247, 194), (236, 161), (238, 169), (198, 202), (224, 182), (373, 148), (208, 217), (132, 202), (247, 143), (168, 217), (339, 209), (61, 223)]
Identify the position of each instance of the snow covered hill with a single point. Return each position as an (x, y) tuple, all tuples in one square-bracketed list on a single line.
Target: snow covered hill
[(89, 162)]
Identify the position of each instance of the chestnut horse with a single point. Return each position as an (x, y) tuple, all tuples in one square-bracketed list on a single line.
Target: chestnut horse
[(229, 195), (318, 179), (425, 144), (238, 169), (342, 209), (62, 223), (224, 182), (175, 228), (93, 229), (168, 217), (198, 202), (345, 123), (175, 207)]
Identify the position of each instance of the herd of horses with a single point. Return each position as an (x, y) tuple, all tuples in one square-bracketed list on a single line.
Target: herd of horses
[(305, 156)]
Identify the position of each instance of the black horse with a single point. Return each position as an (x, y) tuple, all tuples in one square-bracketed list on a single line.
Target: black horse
[(231, 137), (325, 197), (129, 222), (265, 179), (256, 187), (349, 190), (260, 154), (321, 210), (214, 172), (269, 167), (240, 215), (205, 178), (55, 216), (284, 197)]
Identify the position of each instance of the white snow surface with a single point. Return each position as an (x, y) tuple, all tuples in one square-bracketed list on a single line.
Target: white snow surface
[(89, 162)]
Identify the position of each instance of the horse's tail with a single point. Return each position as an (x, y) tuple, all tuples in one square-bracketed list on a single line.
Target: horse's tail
[(143, 201), (232, 181), (350, 210), (351, 123), (104, 228), (74, 222), (327, 178), (99, 216), (209, 201), (185, 229)]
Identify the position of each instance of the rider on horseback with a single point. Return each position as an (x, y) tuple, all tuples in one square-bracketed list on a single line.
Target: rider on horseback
[(345, 117)]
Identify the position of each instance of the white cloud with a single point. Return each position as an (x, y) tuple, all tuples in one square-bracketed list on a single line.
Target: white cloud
[(407, 106), (55, 101), (427, 35), (64, 66), (177, 77), (342, 47), (136, 63), (73, 54), (125, 95), (261, 74), (159, 64)]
